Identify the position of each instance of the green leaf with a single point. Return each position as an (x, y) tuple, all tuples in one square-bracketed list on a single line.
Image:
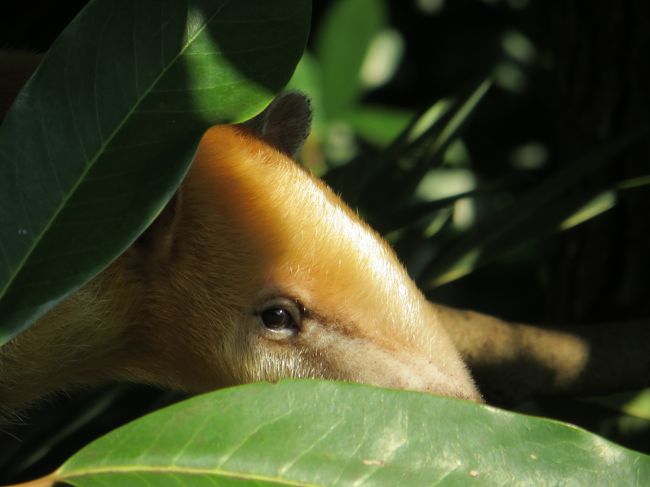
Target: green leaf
[(391, 179), (378, 125), (408, 215), (342, 44), (477, 249), (432, 145), (366, 178), (325, 433), (542, 210), (595, 206), (635, 403), (105, 130), (636, 182), (461, 116)]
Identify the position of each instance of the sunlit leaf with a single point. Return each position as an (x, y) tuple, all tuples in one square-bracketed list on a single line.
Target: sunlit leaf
[(342, 44), (539, 212), (594, 207), (378, 125), (635, 404), (632, 183), (322, 433), (432, 144)]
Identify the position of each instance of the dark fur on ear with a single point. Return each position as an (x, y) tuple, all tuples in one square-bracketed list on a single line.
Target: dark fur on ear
[(285, 123), (158, 239)]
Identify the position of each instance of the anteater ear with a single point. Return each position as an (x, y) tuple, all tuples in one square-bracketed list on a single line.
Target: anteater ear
[(285, 123), (158, 239)]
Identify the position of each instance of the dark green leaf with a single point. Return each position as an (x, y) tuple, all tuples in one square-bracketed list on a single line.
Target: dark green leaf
[(408, 215), (102, 134), (436, 139), (387, 180), (540, 211)]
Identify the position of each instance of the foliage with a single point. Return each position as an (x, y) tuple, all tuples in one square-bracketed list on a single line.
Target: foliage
[(416, 181), (81, 171), (414, 174), (346, 434)]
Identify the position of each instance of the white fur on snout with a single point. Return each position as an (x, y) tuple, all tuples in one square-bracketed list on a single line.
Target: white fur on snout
[(363, 360)]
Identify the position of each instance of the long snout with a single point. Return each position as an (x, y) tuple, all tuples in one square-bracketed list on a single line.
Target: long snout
[(404, 369), (396, 365)]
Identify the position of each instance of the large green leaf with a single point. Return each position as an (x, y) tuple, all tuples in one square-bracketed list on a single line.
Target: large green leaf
[(341, 47), (102, 134), (324, 433)]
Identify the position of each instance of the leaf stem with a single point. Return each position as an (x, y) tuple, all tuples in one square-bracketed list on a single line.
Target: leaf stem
[(46, 481)]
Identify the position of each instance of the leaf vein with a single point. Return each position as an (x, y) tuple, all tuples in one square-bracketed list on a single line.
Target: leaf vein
[(304, 452), (257, 429)]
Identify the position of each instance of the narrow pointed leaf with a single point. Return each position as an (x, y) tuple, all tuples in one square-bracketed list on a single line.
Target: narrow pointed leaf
[(537, 213), (102, 134)]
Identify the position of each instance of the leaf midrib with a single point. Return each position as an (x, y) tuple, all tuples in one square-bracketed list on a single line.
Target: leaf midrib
[(174, 469)]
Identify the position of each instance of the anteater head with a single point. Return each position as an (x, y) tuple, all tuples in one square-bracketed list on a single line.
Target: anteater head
[(258, 271)]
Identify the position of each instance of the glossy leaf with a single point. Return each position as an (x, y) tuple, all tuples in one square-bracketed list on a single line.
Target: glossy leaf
[(103, 133), (324, 433), (341, 46)]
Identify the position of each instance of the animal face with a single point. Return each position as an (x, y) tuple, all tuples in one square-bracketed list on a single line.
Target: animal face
[(273, 276), (255, 270)]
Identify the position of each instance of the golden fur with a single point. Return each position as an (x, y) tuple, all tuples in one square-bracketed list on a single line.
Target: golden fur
[(179, 310)]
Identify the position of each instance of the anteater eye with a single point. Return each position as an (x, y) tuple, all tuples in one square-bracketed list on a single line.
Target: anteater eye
[(281, 317), (277, 319)]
